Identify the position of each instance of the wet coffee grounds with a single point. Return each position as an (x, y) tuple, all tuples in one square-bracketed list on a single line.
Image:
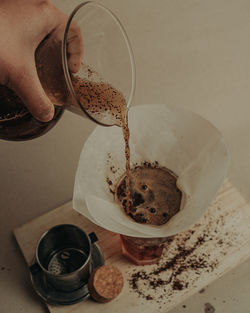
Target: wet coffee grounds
[(154, 196)]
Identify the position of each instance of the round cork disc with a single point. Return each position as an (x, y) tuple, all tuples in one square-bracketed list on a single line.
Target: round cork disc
[(105, 283)]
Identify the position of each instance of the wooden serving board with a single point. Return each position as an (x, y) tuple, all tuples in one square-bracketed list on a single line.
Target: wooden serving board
[(218, 242)]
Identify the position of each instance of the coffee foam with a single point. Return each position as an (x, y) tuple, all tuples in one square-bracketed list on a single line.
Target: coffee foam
[(100, 100), (154, 196)]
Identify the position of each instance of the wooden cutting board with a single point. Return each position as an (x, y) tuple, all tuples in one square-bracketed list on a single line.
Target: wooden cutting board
[(218, 242)]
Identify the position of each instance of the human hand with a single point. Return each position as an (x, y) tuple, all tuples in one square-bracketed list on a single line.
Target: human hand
[(24, 24)]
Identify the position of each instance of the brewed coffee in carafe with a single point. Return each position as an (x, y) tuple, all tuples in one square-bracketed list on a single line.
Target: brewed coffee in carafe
[(16, 123)]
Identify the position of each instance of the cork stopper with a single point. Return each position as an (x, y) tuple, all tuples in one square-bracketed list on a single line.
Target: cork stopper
[(105, 283)]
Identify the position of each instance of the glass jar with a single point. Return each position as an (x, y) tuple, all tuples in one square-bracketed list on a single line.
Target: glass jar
[(142, 251)]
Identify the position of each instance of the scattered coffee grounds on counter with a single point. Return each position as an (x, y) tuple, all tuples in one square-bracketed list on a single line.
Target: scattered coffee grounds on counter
[(188, 258), (202, 290), (148, 297), (209, 308), (170, 272), (178, 285)]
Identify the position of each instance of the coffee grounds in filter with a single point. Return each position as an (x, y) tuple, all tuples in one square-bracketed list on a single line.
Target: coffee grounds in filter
[(154, 195)]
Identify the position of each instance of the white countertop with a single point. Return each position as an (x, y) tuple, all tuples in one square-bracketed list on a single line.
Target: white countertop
[(194, 54)]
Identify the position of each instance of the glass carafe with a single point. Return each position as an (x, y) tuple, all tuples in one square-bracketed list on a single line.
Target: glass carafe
[(107, 62)]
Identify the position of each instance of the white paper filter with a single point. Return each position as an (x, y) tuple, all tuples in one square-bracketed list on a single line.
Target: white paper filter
[(177, 139)]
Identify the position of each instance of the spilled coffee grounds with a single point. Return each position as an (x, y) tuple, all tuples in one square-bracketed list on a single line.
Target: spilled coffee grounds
[(188, 259)]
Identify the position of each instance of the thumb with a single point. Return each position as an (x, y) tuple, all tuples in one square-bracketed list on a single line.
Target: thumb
[(25, 82)]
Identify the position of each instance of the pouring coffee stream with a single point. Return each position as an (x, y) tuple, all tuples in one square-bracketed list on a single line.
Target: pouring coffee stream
[(99, 100)]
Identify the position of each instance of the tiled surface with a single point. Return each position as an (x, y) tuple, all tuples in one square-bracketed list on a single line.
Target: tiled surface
[(192, 53)]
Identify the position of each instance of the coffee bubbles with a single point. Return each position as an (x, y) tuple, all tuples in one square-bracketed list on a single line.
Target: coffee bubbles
[(154, 196)]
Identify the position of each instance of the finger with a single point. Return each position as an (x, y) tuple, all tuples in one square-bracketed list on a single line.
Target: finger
[(74, 48), (25, 82)]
